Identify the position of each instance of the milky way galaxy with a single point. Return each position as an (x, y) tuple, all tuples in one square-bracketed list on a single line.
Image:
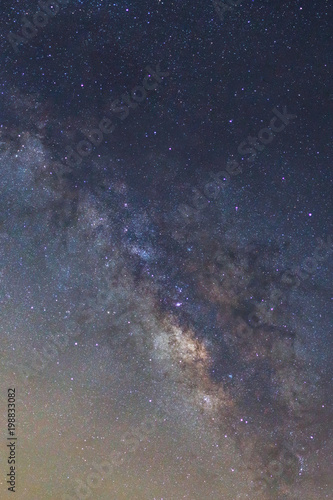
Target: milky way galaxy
[(165, 316)]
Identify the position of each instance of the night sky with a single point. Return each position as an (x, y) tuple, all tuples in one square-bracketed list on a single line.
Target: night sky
[(166, 249)]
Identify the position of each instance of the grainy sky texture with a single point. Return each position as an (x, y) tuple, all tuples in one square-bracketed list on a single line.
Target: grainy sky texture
[(166, 249)]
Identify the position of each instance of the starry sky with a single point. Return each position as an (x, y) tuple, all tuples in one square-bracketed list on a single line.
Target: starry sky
[(166, 249)]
